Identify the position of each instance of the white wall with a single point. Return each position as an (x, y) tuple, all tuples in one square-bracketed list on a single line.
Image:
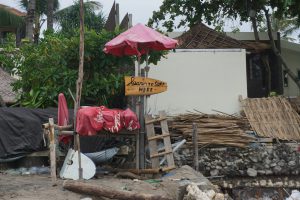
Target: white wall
[(202, 80), (291, 54)]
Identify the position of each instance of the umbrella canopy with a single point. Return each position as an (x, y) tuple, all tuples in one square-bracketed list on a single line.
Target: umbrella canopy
[(63, 113), (139, 40)]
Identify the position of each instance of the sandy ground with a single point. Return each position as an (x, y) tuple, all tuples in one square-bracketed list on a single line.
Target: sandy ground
[(37, 187)]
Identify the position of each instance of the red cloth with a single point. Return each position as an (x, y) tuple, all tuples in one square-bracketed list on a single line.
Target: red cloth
[(139, 40), (63, 116), (63, 113), (131, 121), (90, 120)]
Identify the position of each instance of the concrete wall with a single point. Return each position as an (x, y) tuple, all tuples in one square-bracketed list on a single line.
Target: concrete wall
[(293, 60), (200, 79)]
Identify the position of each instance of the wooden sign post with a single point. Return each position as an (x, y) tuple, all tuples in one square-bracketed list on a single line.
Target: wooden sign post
[(140, 86)]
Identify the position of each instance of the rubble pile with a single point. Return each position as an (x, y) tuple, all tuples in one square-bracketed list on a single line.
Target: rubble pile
[(279, 159)]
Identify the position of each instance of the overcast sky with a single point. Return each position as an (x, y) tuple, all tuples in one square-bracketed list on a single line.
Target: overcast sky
[(141, 9)]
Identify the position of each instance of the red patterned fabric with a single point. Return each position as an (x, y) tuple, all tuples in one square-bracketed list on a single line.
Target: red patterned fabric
[(90, 120)]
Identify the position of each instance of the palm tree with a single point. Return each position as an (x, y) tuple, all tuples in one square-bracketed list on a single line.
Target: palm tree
[(40, 9), (68, 17), (50, 10), (285, 26), (30, 19)]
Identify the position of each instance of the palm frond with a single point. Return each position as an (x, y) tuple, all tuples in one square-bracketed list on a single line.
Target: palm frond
[(41, 6)]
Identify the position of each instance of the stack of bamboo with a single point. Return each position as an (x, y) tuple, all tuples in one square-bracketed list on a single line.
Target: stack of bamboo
[(220, 129)]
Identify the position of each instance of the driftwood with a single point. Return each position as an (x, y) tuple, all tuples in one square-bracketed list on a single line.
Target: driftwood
[(100, 191)]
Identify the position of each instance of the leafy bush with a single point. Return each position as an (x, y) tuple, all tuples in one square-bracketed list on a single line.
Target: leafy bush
[(51, 67)]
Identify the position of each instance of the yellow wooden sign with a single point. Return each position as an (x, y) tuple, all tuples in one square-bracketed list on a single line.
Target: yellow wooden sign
[(143, 86)]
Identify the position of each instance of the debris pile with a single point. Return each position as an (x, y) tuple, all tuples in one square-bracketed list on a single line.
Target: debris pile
[(219, 129)]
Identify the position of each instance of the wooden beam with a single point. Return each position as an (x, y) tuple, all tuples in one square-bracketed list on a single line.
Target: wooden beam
[(52, 151)]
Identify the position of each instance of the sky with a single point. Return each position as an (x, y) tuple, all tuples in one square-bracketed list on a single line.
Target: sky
[(141, 9)]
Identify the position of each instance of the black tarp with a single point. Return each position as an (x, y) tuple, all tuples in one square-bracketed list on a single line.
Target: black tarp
[(21, 130)]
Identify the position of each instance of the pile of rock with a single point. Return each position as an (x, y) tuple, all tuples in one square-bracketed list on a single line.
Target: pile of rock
[(280, 159)]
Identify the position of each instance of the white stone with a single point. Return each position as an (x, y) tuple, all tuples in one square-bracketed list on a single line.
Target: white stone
[(251, 172), (219, 196)]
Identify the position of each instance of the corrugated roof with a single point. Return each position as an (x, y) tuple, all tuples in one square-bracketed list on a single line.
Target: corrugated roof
[(6, 91)]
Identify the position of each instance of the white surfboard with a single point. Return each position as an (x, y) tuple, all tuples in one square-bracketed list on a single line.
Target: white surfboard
[(70, 170)]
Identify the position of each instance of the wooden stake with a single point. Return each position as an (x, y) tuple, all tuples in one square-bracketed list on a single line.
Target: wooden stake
[(195, 144), (52, 151)]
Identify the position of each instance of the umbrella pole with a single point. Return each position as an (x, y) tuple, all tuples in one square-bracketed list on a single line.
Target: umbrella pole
[(140, 143), (147, 68)]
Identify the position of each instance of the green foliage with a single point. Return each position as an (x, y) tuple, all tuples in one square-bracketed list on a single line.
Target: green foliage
[(190, 12), (40, 6), (51, 67), (68, 18)]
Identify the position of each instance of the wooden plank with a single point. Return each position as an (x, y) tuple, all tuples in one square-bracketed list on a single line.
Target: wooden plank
[(52, 152), (167, 140), (158, 137), (152, 143), (160, 154), (156, 120)]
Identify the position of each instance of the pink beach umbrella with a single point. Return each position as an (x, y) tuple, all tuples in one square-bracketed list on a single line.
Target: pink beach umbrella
[(63, 116), (138, 40)]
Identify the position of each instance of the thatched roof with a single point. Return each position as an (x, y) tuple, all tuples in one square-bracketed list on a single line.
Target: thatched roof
[(111, 20), (6, 91), (125, 22), (13, 10), (202, 37)]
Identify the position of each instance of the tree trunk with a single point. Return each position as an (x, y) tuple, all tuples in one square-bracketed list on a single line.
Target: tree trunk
[(37, 28), (79, 84), (30, 20), (254, 25), (277, 53), (50, 15)]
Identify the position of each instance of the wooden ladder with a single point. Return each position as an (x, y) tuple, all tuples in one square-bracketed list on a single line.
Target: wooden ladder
[(153, 138)]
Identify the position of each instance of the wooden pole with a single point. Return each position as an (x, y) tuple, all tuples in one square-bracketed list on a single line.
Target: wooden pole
[(100, 191), (142, 129), (52, 151), (79, 85), (195, 144)]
